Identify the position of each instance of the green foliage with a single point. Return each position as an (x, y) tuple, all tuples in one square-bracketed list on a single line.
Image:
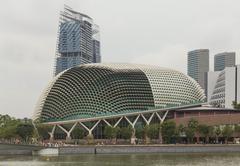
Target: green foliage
[(193, 124), (8, 127), (205, 131), (152, 131), (111, 132), (217, 131), (191, 129), (43, 131), (236, 105), (180, 130), (168, 129), (190, 134), (139, 133), (227, 131), (237, 129), (25, 130), (78, 133), (126, 132)]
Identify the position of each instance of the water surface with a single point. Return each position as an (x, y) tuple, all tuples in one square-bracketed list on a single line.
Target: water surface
[(179, 159)]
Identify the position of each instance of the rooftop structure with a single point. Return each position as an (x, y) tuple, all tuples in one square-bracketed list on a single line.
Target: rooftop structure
[(97, 90)]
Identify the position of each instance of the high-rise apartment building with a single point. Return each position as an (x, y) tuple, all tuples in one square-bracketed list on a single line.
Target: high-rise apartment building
[(198, 66), (78, 40), (224, 87), (222, 60)]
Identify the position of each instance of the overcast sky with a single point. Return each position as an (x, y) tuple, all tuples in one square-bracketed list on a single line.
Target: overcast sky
[(158, 32)]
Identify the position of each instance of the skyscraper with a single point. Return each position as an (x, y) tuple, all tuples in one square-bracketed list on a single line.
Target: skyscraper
[(78, 40), (198, 66), (222, 60), (223, 87)]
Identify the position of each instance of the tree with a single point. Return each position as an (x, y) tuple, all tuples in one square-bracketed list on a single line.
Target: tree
[(8, 127), (205, 131), (191, 129), (78, 133), (180, 131), (168, 129), (25, 131), (237, 130), (111, 132), (152, 131), (236, 105), (126, 132), (217, 132), (139, 133), (42, 131), (227, 132)]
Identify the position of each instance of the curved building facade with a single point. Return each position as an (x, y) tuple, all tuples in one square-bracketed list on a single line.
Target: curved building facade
[(104, 90)]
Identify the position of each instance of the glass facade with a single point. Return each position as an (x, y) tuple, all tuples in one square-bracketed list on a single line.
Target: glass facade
[(76, 43), (198, 66), (222, 60)]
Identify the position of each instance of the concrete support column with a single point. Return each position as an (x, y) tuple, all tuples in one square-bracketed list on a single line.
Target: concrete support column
[(51, 139), (68, 137), (133, 137), (90, 137), (162, 118), (161, 121), (147, 139), (91, 129), (149, 120), (51, 134), (119, 120)]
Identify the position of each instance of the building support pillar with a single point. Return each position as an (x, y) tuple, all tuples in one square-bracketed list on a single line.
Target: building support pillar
[(149, 120), (147, 139), (119, 120), (133, 137), (91, 129), (51, 139), (68, 137), (90, 137), (162, 118), (161, 121)]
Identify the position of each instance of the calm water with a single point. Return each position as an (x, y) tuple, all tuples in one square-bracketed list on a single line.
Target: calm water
[(211, 159)]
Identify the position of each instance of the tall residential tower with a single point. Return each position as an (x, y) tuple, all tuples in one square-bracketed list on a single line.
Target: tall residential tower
[(222, 60), (198, 66), (78, 40), (224, 87)]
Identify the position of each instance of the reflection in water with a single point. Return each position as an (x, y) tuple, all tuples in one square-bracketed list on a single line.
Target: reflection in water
[(199, 159)]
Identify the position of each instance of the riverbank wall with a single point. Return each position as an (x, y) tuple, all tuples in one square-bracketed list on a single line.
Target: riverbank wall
[(122, 149), (125, 149), (16, 149)]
